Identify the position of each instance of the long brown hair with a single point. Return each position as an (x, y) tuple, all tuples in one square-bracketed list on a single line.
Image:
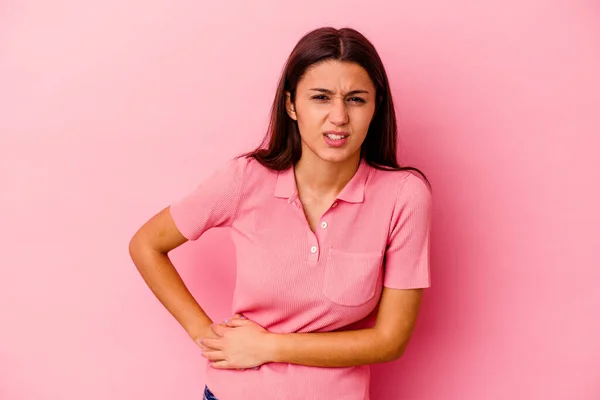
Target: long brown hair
[(281, 147)]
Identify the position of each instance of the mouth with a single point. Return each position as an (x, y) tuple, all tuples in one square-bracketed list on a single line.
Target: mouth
[(334, 135), (335, 139)]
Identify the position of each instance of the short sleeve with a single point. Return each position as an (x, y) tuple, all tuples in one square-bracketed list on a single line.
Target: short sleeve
[(213, 203), (407, 255)]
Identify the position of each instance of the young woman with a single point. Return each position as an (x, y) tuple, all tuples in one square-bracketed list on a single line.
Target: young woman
[(329, 231)]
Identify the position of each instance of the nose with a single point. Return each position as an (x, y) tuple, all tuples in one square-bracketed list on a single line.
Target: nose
[(338, 113)]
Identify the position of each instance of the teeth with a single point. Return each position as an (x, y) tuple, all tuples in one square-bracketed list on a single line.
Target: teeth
[(335, 137)]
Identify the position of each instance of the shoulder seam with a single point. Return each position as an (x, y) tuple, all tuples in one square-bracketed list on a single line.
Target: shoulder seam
[(240, 191)]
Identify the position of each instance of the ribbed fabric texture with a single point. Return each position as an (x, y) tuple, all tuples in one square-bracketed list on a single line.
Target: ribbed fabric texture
[(290, 279)]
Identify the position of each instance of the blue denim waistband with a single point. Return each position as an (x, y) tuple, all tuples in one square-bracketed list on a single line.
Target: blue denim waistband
[(208, 395)]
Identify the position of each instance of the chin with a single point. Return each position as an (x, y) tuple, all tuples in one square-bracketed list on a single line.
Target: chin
[(329, 154), (336, 156)]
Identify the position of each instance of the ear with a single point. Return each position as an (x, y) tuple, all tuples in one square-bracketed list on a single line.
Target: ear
[(289, 106)]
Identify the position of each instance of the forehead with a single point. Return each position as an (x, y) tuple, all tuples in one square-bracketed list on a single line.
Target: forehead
[(336, 75)]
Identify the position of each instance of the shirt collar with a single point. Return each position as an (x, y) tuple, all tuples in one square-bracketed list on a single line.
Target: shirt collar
[(353, 192)]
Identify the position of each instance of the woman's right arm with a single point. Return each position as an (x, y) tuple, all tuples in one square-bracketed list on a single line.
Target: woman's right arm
[(148, 249)]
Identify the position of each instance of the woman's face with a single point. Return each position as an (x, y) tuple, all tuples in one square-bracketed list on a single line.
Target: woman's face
[(334, 105)]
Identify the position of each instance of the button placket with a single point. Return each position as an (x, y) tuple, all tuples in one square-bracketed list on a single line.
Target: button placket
[(313, 237), (322, 230), (313, 250), (314, 246)]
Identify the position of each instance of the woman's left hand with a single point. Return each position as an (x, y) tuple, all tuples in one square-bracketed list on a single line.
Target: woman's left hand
[(241, 344)]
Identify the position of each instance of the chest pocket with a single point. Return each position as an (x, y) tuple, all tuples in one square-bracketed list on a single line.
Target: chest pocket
[(351, 278)]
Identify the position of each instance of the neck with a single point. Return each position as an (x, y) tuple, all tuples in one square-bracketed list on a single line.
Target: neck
[(322, 178)]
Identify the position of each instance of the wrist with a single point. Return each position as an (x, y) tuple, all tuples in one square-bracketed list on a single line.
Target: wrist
[(200, 331), (273, 347)]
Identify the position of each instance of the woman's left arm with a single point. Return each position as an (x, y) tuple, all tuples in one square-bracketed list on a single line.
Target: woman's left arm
[(244, 344), (386, 341)]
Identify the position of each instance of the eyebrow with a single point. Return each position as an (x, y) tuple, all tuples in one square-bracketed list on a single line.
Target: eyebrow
[(327, 91)]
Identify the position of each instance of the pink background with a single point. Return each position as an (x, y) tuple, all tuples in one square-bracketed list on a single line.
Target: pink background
[(112, 109)]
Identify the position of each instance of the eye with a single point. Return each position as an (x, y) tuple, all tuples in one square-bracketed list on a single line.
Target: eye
[(357, 100), (319, 97)]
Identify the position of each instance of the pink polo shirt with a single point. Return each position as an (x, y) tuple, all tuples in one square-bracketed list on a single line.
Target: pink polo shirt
[(290, 279)]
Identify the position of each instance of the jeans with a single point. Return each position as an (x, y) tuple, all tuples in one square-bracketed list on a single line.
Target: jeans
[(208, 395)]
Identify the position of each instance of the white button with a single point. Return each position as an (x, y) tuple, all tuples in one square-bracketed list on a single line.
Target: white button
[(313, 249), (334, 205), (323, 224)]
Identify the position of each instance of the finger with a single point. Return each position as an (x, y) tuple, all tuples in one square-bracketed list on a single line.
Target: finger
[(221, 365), (236, 316), (219, 330), (214, 344), (214, 355), (238, 322), (211, 333), (204, 348)]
